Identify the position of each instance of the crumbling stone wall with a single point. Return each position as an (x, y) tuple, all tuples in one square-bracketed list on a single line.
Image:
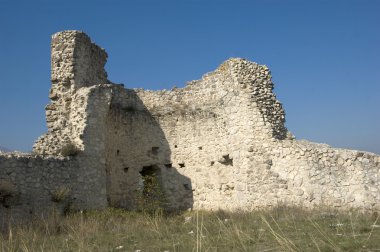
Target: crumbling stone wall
[(317, 174), (76, 62), (208, 125), (218, 143), (134, 142), (228, 129), (34, 185)]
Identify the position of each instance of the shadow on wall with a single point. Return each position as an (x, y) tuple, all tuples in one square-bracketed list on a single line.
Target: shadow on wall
[(140, 174)]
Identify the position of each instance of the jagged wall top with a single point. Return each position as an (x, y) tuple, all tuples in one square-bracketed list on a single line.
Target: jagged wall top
[(257, 80), (234, 77), (76, 61), (221, 140)]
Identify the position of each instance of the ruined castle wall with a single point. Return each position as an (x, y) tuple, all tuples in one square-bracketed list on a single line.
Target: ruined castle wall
[(71, 117), (218, 143), (317, 174), (123, 136), (71, 132), (226, 133), (211, 125), (256, 80), (197, 137), (84, 133), (75, 62), (35, 186), (37, 177)]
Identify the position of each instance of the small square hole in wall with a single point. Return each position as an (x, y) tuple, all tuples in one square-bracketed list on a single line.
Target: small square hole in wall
[(125, 169), (200, 148), (168, 165), (117, 152), (155, 150), (212, 163), (226, 160), (187, 186), (175, 146), (182, 165)]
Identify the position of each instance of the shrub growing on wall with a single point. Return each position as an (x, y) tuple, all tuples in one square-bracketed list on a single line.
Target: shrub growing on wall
[(151, 197), (60, 194), (7, 191), (69, 149)]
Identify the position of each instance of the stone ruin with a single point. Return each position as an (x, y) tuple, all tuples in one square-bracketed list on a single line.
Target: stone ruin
[(218, 143)]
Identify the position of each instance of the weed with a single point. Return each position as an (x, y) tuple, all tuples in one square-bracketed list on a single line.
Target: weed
[(69, 149), (7, 191), (60, 194), (282, 229), (151, 198)]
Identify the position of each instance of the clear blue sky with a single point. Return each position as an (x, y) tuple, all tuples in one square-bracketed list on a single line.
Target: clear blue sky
[(324, 57)]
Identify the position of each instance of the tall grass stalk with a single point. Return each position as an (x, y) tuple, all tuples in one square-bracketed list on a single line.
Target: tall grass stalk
[(282, 229)]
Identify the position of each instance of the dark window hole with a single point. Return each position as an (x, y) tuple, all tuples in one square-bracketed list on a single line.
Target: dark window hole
[(187, 186), (125, 169), (168, 165), (226, 160), (200, 148), (212, 163), (148, 170), (175, 146), (181, 165), (117, 152)]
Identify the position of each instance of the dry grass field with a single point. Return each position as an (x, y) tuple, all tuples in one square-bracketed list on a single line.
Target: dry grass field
[(279, 229)]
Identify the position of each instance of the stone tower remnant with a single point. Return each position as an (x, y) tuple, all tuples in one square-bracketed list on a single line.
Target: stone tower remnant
[(218, 143)]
